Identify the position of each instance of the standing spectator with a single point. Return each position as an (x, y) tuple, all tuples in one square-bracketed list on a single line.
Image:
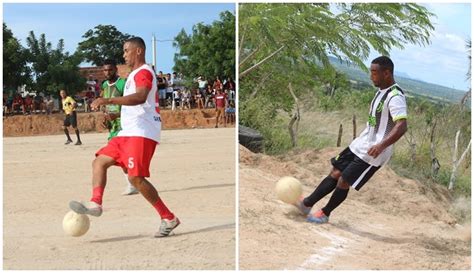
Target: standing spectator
[(161, 89), (230, 113), (177, 82), (91, 85), (217, 85), (69, 108), (202, 83), (230, 86), (221, 104), (49, 104), (169, 87), (97, 88)]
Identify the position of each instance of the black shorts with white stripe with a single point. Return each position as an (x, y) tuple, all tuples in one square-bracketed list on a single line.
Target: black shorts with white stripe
[(354, 170)]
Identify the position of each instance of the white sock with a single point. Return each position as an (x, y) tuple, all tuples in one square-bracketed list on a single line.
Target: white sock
[(129, 185)]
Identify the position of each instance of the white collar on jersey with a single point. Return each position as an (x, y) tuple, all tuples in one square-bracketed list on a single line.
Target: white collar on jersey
[(388, 88)]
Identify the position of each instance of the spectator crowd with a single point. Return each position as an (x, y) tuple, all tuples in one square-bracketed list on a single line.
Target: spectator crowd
[(173, 95)]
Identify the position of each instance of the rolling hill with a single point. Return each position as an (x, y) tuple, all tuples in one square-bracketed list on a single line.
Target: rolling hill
[(412, 86)]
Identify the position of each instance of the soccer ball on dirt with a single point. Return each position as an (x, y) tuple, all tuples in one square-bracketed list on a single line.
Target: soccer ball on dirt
[(75, 224), (288, 189)]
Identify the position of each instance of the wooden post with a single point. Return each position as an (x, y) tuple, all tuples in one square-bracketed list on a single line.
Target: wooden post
[(354, 126), (456, 161), (339, 136)]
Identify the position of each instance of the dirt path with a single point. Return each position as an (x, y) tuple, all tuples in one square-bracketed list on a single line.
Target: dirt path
[(392, 223), (194, 171)]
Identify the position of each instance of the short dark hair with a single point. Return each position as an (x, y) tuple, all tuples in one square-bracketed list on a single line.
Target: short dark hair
[(384, 62), (136, 41), (110, 62)]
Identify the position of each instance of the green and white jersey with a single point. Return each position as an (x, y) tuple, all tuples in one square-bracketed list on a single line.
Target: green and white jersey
[(113, 90), (388, 106)]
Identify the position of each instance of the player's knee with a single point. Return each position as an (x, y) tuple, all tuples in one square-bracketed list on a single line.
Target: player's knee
[(136, 181), (343, 184), (100, 163), (335, 173)]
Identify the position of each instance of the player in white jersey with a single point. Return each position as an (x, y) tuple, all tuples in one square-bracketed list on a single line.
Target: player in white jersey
[(135, 144), (367, 153)]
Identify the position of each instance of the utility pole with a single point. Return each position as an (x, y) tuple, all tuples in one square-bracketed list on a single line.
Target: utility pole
[(153, 45)]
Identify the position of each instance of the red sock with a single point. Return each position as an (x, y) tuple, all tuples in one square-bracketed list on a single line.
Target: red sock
[(163, 211), (97, 193)]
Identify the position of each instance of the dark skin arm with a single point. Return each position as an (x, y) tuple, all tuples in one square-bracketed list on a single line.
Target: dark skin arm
[(134, 99), (395, 134)]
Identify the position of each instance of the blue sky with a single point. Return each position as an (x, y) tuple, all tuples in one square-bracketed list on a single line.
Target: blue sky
[(445, 60), (71, 21)]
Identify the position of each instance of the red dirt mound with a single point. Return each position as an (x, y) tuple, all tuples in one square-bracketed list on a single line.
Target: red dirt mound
[(32, 125), (391, 223)]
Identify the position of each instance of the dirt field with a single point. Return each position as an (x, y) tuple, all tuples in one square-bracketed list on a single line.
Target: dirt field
[(393, 223), (194, 171)]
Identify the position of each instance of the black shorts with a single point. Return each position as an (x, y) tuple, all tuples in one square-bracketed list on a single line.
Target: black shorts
[(354, 170), (71, 120)]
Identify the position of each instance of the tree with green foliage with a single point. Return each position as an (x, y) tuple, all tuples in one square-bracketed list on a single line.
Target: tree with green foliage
[(53, 69), (102, 43), (15, 69), (209, 50), (315, 31), (292, 43)]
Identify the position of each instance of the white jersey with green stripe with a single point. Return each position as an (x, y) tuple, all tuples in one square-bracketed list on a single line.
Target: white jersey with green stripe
[(388, 106)]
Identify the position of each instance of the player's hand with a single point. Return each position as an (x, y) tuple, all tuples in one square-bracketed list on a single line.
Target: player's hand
[(95, 105), (112, 116), (105, 124), (376, 150)]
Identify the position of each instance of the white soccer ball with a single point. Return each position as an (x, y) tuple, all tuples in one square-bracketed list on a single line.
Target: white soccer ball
[(288, 189), (75, 224)]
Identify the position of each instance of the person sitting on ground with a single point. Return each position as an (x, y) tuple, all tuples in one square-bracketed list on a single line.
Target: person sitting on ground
[(17, 104), (199, 100), (208, 99), (38, 104), (9, 105), (175, 100), (186, 100), (28, 105)]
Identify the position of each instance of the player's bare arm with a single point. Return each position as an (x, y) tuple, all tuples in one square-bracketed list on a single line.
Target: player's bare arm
[(137, 98), (395, 134)]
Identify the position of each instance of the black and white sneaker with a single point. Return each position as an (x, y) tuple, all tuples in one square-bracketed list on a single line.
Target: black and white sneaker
[(167, 226), (91, 208)]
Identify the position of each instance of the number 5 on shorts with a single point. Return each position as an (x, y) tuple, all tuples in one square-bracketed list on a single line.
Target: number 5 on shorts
[(130, 163)]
